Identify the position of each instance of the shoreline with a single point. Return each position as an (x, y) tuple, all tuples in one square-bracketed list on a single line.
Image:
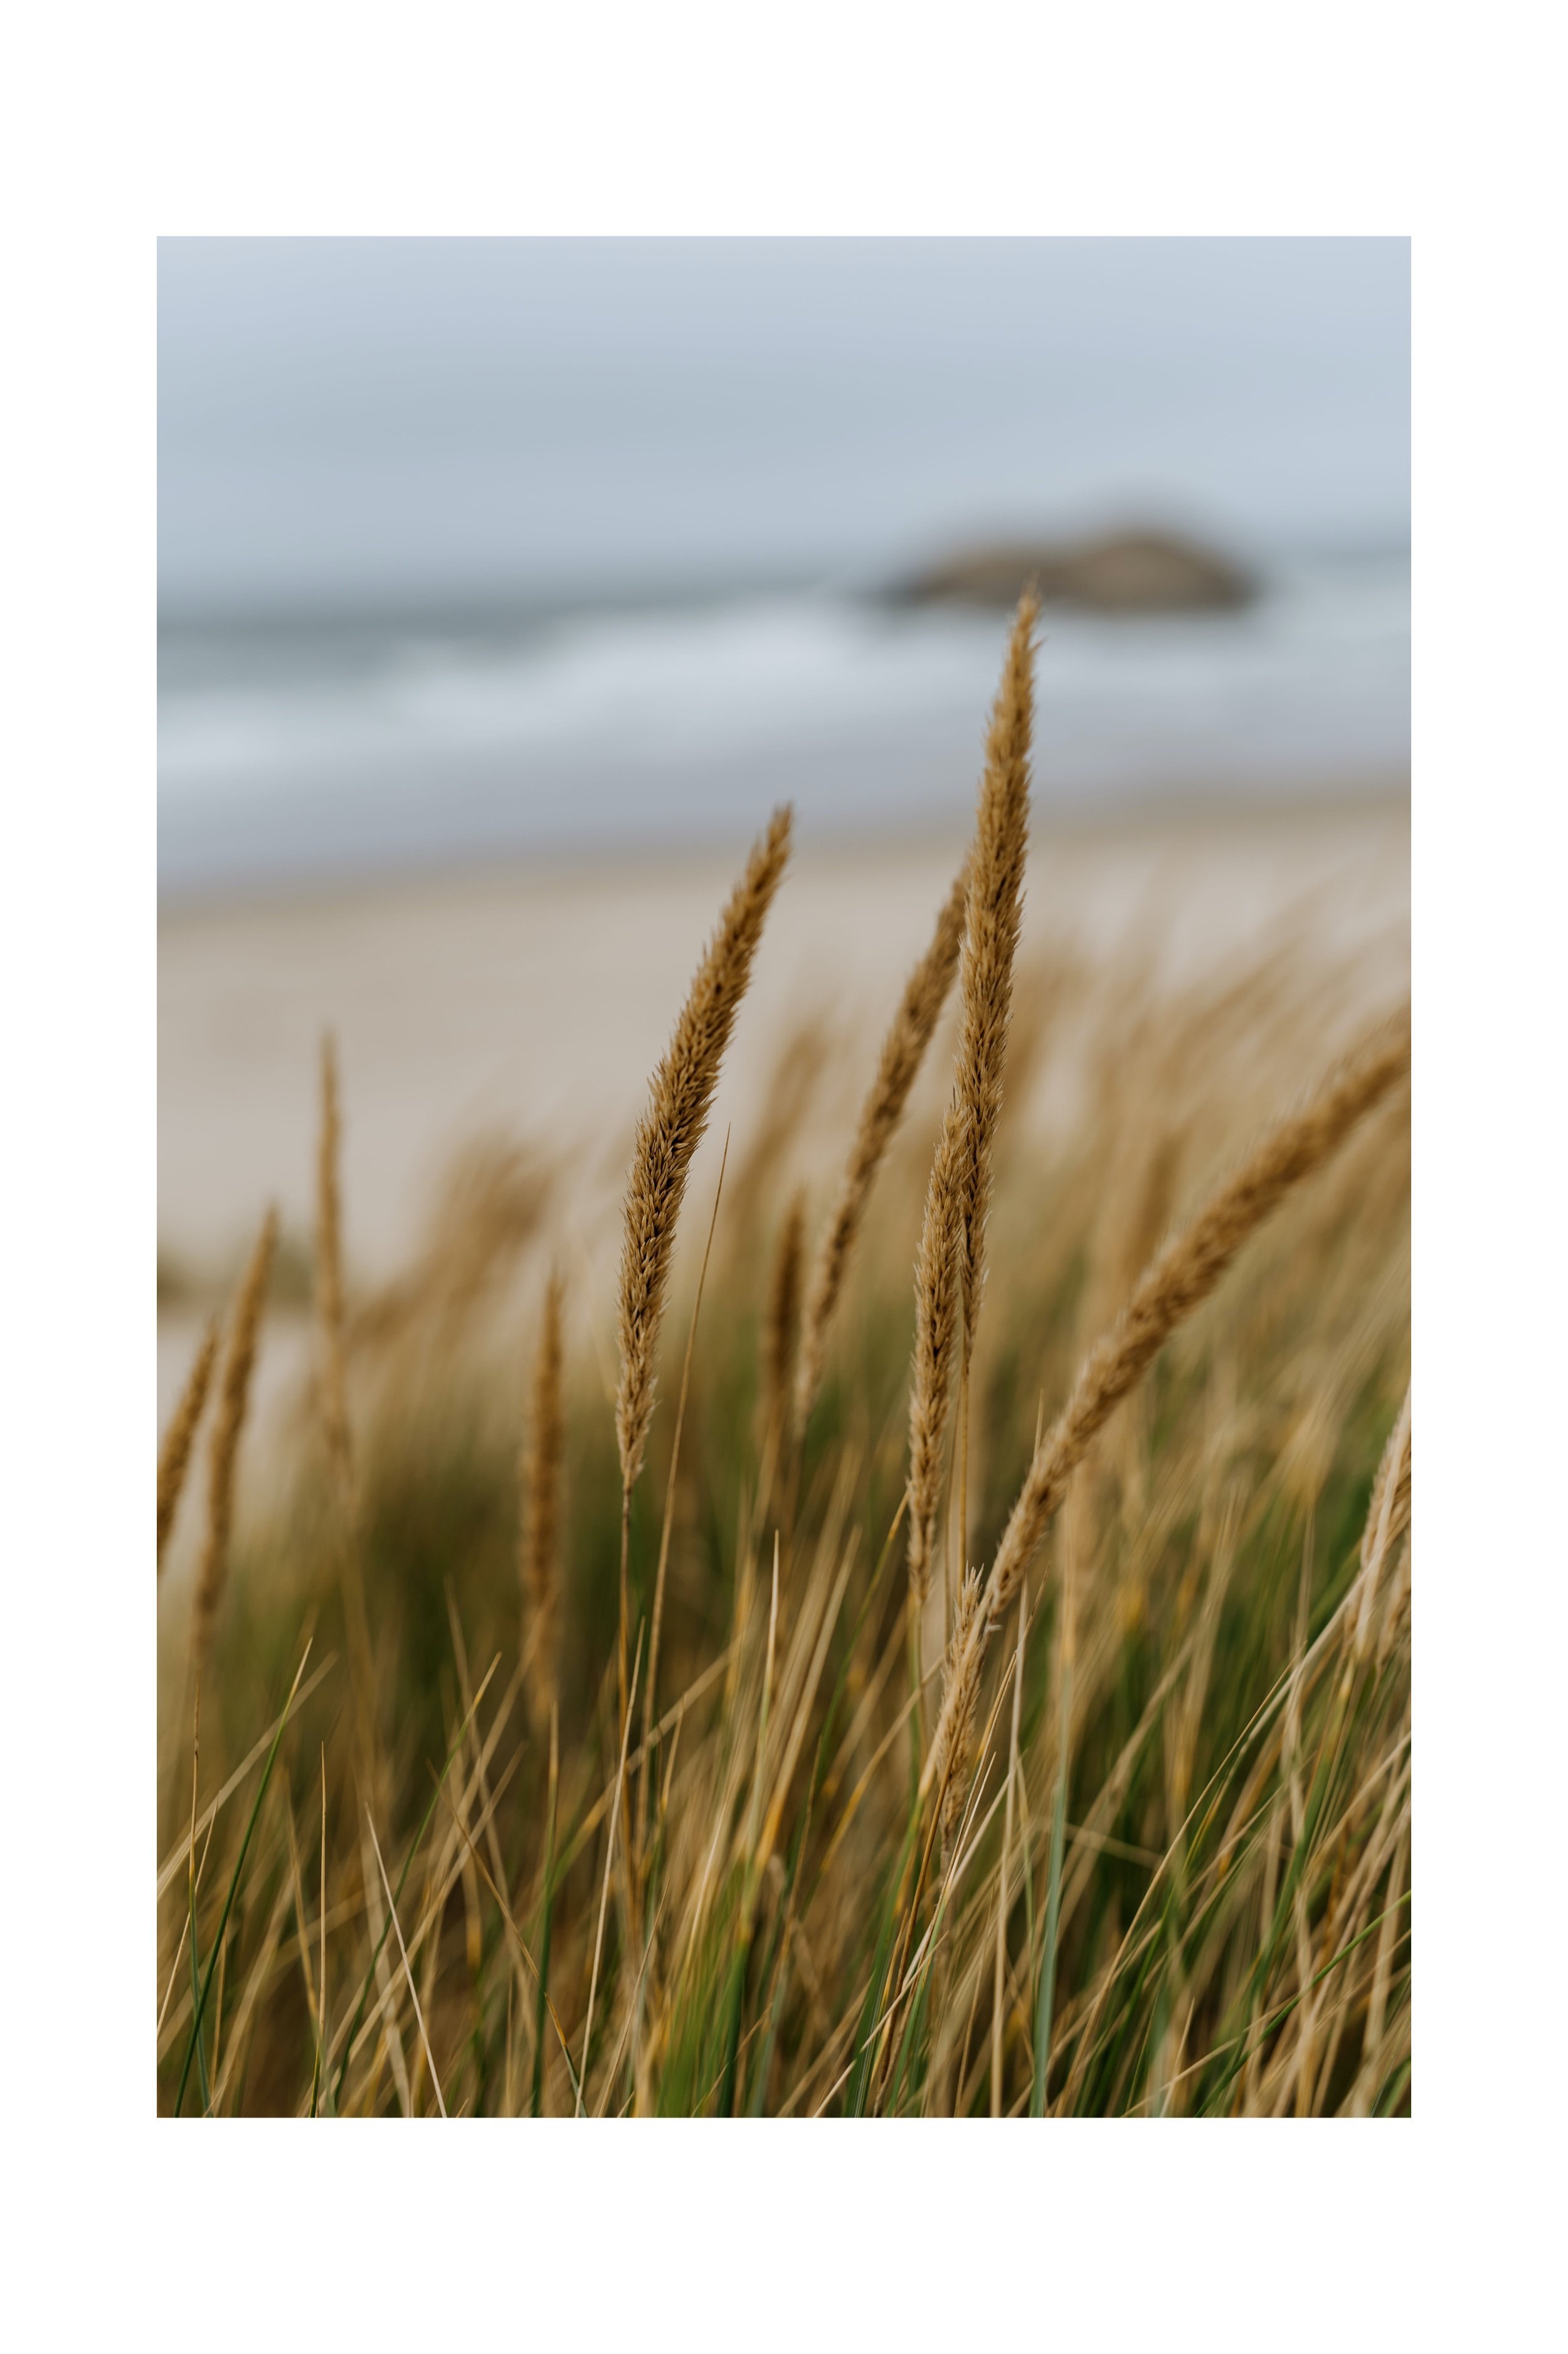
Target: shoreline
[(1182, 810)]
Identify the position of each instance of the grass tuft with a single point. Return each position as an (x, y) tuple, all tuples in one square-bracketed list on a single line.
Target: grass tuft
[(774, 1828)]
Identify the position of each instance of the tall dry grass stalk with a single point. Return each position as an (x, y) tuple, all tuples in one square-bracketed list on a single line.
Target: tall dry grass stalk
[(903, 1052), (332, 1396), (680, 1096), (999, 1975), (1181, 1276), (233, 1398), (1388, 1518), (936, 1338), (990, 946), (490, 1207), (332, 1377), (539, 1563), (951, 1268), (175, 1455), (781, 1324), (960, 1696), (650, 1682)]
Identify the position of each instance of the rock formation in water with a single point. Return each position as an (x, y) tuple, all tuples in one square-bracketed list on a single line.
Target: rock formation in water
[(1118, 572)]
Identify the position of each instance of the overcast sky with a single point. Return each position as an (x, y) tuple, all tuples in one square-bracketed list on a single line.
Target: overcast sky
[(390, 421)]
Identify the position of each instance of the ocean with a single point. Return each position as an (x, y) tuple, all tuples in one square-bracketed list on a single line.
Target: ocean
[(293, 751)]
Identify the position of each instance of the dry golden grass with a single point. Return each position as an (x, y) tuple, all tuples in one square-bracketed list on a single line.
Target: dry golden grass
[(898, 1067), (224, 1448), (781, 1325), (991, 943), (542, 1455), (633, 1801), (937, 1316), (1183, 1275), (175, 1454), (1388, 1519), (960, 1695), (950, 1270), (680, 1095)]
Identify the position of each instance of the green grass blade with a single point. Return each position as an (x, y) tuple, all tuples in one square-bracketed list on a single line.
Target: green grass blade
[(1045, 2003), (196, 2011), (195, 2041), (1048, 1955), (398, 1891), (536, 2094)]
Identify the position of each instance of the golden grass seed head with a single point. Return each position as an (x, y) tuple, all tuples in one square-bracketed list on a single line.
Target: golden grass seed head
[(898, 1065), (173, 1456), (680, 1096), (991, 944), (1181, 1276), (233, 1398)]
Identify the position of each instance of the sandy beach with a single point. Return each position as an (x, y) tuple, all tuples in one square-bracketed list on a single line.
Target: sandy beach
[(531, 1000)]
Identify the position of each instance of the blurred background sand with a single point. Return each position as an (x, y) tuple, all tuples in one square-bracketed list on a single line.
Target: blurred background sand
[(534, 1003), (531, 1004)]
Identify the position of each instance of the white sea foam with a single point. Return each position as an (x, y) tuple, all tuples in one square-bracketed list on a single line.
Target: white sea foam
[(307, 751)]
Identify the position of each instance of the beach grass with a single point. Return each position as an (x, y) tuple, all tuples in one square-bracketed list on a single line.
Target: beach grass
[(550, 1734)]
